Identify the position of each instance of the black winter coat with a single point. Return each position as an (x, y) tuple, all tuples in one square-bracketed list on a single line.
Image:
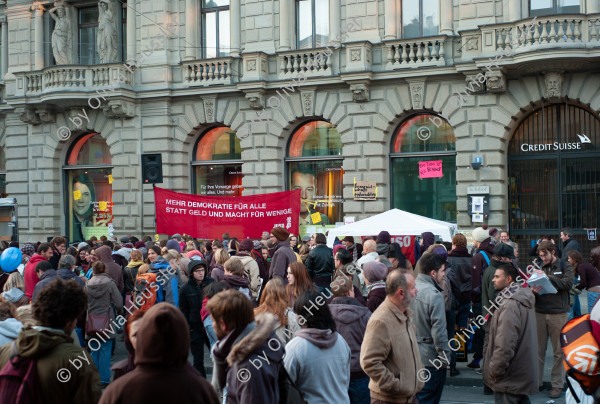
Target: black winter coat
[(320, 262), (190, 299), (460, 259)]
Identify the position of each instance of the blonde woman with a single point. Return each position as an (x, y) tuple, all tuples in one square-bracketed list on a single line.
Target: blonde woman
[(14, 290), (218, 272), (174, 259), (274, 299)]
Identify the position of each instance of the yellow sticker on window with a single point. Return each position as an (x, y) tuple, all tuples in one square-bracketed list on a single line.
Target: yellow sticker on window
[(110, 178), (102, 205), (315, 217), (77, 195)]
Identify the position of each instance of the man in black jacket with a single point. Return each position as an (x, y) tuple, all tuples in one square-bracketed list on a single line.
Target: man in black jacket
[(190, 303), (320, 263)]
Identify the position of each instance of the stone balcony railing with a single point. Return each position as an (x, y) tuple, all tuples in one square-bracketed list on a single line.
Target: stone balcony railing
[(559, 31), (316, 62), (209, 72), (420, 52), (72, 78)]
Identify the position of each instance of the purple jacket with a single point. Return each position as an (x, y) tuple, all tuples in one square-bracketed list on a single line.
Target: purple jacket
[(375, 297)]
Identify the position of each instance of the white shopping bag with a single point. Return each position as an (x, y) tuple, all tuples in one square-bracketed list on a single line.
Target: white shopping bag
[(583, 398)]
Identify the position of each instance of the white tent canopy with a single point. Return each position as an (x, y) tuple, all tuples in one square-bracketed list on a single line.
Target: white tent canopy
[(397, 222)]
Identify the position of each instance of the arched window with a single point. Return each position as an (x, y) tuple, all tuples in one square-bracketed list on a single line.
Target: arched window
[(218, 163), (314, 165), (3, 193), (88, 185), (554, 174), (423, 162), (420, 18)]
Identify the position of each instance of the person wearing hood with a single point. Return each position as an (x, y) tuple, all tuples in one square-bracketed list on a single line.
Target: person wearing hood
[(190, 303), (235, 276), (351, 320), (318, 358), (46, 275), (162, 373), (383, 243), (430, 323), (460, 259), (56, 310), (44, 252), (427, 239), (130, 338), (283, 255), (167, 276), (256, 253), (375, 274), (10, 326), (251, 269), (510, 367), (248, 356), (102, 291), (113, 270)]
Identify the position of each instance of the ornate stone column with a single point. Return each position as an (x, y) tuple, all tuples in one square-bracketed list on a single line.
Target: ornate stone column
[(191, 29), (446, 17), (391, 16), (235, 22), (335, 18), (38, 10), (4, 54), (514, 10), (131, 31), (285, 9)]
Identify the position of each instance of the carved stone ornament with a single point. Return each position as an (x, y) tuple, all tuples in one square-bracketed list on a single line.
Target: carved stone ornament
[(416, 94), (553, 82), (251, 65), (256, 99), (116, 109), (472, 43), (209, 108), (46, 113), (28, 115), (307, 102), (475, 83), (360, 92), (355, 55), (495, 82)]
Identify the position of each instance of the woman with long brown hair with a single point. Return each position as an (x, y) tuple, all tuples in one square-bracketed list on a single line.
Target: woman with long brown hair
[(274, 300), (589, 277), (298, 282)]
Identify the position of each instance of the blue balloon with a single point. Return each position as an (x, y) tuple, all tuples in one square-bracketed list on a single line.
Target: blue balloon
[(10, 259)]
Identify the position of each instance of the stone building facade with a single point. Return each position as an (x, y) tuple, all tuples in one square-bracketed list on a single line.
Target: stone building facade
[(488, 69)]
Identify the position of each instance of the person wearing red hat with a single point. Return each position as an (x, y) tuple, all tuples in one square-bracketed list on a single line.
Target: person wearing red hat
[(283, 254)]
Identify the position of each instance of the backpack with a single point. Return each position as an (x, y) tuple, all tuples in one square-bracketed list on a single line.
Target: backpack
[(581, 354), (149, 290), (19, 383), (486, 257)]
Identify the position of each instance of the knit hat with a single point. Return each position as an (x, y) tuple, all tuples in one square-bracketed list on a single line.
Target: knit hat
[(124, 240), (493, 231), (337, 248), (177, 236), (257, 245), (280, 233), (384, 237), (173, 245), (192, 253), (139, 244), (504, 250), (28, 249), (374, 271), (442, 252), (481, 233), (246, 245)]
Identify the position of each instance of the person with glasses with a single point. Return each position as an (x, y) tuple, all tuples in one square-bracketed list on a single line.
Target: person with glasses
[(551, 312)]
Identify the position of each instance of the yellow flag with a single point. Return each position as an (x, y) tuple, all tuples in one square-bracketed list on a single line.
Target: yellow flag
[(110, 178), (77, 194), (315, 217)]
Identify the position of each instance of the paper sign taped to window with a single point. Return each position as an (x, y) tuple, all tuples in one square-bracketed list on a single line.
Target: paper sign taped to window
[(77, 195), (102, 205), (365, 191), (110, 179), (430, 169), (316, 217)]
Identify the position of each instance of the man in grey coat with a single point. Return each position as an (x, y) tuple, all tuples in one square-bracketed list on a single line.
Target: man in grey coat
[(510, 367), (430, 322)]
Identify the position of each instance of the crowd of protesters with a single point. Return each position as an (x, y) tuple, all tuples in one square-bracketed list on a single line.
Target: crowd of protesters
[(284, 319)]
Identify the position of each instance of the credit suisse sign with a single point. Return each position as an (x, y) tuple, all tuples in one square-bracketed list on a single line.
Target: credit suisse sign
[(525, 147)]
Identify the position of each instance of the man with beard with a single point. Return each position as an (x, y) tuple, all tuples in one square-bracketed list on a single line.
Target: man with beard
[(304, 178)]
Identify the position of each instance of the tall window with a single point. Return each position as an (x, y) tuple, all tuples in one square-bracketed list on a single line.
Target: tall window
[(422, 142), (420, 18), (3, 193), (314, 165), (215, 28), (124, 31), (217, 163), (88, 188), (312, 23), (88, 31), (550, 7)]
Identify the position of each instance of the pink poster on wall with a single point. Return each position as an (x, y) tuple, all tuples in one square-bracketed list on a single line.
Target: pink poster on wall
[(430, 169)]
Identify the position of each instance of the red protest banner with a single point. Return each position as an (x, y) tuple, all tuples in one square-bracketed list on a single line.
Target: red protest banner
[(211, 216), (406, 243)]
